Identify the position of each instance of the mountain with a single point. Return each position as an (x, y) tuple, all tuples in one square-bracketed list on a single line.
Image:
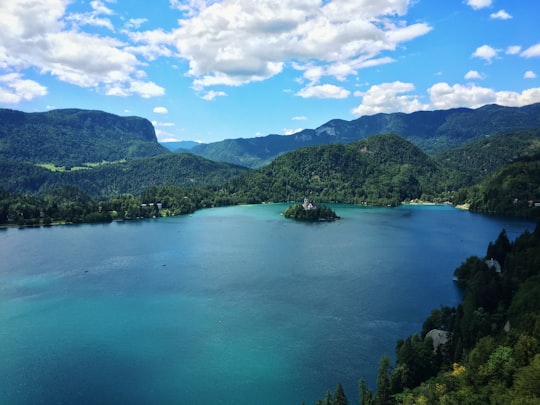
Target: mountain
[(128, 177), (432, 131), (514, 189), (379, 170), (479, 159), (73, 137), (179, 146)]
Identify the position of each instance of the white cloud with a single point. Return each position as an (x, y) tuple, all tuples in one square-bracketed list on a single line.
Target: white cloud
[(388, 97), (92, 17), (500, 15), (529, 74), (234, 42), (49, 45), (135, 23), (532, 52), (288, 131), (485, 52), (478, 4), (212, 94), (444, 96), (513, 50), (323, 91), (14, 89), (473, 74), (162, 124), (160, 110), (299, 118)]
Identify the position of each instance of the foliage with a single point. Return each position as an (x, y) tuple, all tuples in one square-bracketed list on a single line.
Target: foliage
[(72, 137), (367, 172), (477, 160), (512, 190), (125, 177)]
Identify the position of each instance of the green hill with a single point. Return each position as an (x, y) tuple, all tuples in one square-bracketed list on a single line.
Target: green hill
[(73, 137), (379, 170), (432, 131), (513, 189), (131, 177), (479, 159)]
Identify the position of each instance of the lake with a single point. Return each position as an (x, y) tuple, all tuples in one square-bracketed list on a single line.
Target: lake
[(232, 305)]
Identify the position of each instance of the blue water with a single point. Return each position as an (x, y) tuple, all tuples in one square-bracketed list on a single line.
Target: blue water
[(230, 305)]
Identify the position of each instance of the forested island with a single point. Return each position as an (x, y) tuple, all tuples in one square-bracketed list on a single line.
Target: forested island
[(310, 211)]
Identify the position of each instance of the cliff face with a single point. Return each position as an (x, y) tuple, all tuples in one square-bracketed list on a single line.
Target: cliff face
[(73, 137)]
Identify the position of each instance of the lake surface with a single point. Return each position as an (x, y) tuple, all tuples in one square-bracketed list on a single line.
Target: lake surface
[(231, 305)]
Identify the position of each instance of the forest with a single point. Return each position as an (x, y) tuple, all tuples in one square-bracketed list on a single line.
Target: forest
[(490, 353)]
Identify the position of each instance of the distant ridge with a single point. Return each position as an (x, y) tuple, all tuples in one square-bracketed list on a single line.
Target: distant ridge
[(72, 137), (432, 131)]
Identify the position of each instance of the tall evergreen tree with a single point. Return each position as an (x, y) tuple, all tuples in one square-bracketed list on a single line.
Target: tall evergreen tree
[(339, 396), (366, 395), (384, 392)]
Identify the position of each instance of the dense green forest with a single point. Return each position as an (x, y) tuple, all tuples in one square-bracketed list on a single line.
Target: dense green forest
[(514, 189), (73, 137), (379, 170), (489, 352), (113, 179), (477, 160)]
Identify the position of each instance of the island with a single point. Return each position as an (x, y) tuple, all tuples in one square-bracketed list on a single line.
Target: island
[(310, 211)]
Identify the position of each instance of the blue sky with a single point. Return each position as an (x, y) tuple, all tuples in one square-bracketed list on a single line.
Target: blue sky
[(207, 70)]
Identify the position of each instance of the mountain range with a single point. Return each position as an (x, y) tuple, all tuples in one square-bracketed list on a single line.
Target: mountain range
[(432, 131)]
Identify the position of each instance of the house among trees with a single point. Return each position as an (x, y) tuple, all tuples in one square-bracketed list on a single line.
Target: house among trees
[(309, 205), (494, 264)]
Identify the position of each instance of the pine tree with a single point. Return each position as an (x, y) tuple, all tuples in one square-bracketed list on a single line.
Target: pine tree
[(339, 396), (383, 396), (366, 396)]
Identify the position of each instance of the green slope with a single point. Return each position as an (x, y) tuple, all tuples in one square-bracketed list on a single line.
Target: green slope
[(73, 137), (379, 170)]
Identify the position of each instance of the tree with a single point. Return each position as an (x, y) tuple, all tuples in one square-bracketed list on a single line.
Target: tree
[(339, 396), (366, 396), (384, 393)]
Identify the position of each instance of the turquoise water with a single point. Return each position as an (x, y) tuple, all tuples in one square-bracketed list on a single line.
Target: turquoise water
[(230, 305)]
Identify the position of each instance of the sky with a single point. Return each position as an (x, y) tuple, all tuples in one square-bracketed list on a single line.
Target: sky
[(208, 70)]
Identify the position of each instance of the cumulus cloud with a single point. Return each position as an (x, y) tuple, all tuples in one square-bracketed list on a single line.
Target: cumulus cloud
[(14, 89), (529, 74), (478, 4), (444, 96), (54, 44), (513, 50), (323, 91), (160, 110), (395, 97), (212, 94), (389, 97), (500, 15), (235, 42), (299, 118), (486, 52), (473, 74), (289, 131), (532, 52)]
